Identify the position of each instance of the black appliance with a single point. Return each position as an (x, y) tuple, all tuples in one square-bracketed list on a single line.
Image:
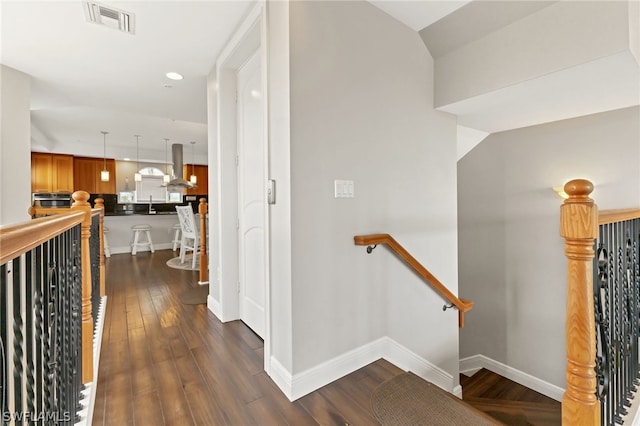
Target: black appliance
[(52, 199), (110, 201), (194, 201)]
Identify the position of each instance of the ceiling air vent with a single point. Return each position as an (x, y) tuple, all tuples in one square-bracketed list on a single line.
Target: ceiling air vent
[(109, 17)]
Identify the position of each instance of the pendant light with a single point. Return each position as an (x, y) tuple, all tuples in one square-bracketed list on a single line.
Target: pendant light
[(166, 178), (137, 177), (193, 179), (104, 174)]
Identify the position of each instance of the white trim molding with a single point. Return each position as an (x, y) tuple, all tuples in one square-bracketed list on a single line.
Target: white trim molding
[(470, 365), (214, 306), (298, 385)]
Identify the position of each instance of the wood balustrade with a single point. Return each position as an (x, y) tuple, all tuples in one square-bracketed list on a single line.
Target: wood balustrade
[(103, 277), (371, 240), (81, 203), (80, 206), (579, 228), (204, 260)]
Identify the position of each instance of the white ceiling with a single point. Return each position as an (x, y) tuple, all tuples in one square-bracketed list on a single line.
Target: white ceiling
[(87, 78), (418, 14)]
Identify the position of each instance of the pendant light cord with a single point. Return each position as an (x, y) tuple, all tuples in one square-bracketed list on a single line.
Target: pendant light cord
[(104, 150)]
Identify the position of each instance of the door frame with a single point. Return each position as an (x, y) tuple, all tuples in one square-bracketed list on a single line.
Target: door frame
[(250, 36)]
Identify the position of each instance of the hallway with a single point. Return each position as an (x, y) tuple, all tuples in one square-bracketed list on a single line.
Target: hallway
[(167, 363)]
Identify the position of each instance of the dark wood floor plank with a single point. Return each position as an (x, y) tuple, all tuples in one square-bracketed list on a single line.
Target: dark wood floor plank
[(174, 402), (293, 413), (119, 401), (148, 409), (323, 410), (205, 410)]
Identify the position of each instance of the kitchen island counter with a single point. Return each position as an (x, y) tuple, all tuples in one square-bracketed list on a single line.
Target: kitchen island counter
[(120, 235)]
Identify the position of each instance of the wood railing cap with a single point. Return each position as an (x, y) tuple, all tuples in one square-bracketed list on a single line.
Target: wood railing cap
[(578, 191)]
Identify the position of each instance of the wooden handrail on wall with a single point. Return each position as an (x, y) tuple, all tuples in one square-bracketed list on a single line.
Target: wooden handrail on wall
[(371, 240)]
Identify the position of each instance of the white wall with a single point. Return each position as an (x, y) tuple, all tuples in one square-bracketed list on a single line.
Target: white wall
[(511, 55), (511, 257), (15, 142), (278, 91), (361, 109)]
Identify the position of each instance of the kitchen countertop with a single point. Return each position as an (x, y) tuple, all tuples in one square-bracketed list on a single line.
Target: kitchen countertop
[(132, 213)]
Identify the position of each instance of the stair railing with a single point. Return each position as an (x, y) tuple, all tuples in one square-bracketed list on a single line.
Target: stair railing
[(371, 241), (46, 324), (603, 308)]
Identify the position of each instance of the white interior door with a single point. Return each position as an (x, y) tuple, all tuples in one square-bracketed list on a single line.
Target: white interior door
[(251, 196)]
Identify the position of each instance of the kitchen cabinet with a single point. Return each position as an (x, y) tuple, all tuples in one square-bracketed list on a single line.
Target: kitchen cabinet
[(86, 175), (51, 172), (62, 173), (202, 174)]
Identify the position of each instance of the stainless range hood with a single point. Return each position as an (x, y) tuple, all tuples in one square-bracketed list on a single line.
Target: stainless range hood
[(178, 169)]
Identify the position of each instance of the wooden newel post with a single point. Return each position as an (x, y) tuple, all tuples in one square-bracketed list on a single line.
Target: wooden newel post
[(204, 261), (100, 205), (579, 227), (81, 203)]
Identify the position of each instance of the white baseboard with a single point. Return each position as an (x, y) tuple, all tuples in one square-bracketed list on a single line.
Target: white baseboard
[(298, 385), (282, 378), (472, 364), (402, 357), (89, 394), (214, 306)]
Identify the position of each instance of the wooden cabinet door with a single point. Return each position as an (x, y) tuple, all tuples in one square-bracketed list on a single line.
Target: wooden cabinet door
[(62, 173), (108, 187), (41, 172), (84, 174), (202, 174)]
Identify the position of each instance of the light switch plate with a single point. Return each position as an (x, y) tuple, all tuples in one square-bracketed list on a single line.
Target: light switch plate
[(343, 189)]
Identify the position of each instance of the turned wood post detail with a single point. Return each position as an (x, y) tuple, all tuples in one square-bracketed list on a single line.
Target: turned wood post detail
[(579, 228), (100, 205), (204, 261), (81, 203)]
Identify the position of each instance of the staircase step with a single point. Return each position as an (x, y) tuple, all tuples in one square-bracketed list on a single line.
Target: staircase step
[(517, 412)]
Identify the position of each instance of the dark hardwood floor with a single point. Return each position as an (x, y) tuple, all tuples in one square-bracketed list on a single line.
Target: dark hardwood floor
[(167, 363)]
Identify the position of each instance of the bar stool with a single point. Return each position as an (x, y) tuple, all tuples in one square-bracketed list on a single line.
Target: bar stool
[(137, 230), (176, 236), (107, 250)]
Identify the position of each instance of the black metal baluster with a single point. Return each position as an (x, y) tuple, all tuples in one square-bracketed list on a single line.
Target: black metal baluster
[(94, 248), (64, 316), (3, 338), (601, 321), (50, 330), (18, 338), (76, 307), (38, 313), (29, 268)]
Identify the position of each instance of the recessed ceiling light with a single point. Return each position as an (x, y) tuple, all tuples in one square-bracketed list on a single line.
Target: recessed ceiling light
[(127, 159), (174, 76)]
